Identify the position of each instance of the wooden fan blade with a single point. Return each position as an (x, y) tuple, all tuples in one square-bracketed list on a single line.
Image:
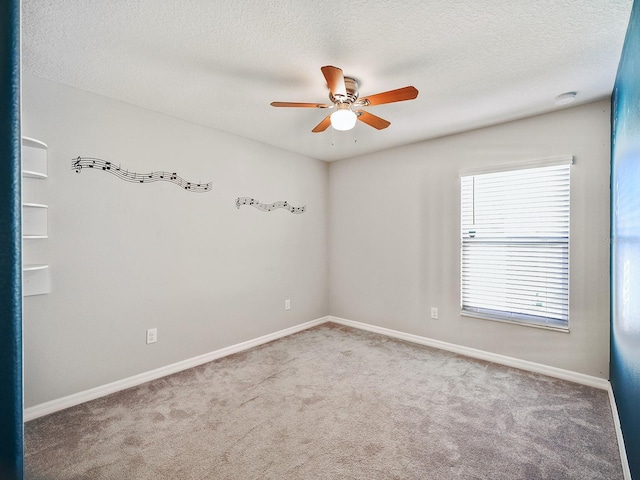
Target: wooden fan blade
[(323, 125), (335, 80), (398, 95), (372, 120), (300, 105)]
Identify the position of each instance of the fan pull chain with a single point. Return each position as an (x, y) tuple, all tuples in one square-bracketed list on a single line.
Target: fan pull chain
[(355, 136)]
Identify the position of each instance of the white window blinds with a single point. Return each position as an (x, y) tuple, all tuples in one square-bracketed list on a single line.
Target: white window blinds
[(515, 245)]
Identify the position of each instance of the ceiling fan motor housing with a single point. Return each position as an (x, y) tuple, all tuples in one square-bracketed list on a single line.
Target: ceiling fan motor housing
[(351, 86)]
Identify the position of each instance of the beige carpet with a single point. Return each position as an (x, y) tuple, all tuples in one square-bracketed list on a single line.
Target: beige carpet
[(334, 403)]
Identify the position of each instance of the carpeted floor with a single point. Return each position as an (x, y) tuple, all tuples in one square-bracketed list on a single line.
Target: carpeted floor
[(334, 403)]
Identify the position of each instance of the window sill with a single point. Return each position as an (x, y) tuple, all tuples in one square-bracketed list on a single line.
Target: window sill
[(465, 313)]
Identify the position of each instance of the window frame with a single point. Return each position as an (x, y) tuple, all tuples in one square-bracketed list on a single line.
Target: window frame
[(505, 316)]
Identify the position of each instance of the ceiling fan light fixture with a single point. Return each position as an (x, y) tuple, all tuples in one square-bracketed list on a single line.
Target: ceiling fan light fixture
[(343, 118)]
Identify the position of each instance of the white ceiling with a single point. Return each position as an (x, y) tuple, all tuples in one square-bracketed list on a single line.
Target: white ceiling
[(220, 63)]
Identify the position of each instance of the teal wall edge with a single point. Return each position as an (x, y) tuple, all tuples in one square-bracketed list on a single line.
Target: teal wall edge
[(625, 241), (11, 429)]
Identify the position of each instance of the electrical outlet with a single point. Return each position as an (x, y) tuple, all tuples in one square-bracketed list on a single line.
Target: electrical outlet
[(152, 335), (287, 304), (434, 313)]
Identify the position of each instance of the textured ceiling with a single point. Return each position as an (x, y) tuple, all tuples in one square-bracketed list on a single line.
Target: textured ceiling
[(221, 63)]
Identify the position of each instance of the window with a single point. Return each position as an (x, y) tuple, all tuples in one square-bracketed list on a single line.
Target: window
[(515, 245)]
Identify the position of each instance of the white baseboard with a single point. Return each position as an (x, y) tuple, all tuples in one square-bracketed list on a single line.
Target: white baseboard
[(616, 421), (555, 372), (52, 406)]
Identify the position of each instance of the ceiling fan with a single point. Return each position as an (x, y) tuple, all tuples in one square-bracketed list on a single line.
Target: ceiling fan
[(344, 97)]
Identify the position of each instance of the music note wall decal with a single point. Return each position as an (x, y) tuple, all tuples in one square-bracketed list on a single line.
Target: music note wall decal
[(79, 163), (267, 207)]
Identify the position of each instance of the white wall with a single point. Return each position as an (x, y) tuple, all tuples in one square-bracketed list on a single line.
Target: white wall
[(126, 257), (395, 237), (379, 243)]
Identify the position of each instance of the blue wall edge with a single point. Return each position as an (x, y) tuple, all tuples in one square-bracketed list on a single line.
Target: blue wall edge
[(11, 402), (625, 241)]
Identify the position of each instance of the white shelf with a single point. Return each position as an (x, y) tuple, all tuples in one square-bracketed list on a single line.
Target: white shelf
[(34, 220), (35, 280), (34, 158), (33, 267)]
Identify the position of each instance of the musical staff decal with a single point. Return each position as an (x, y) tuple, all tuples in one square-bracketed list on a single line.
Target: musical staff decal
[(79, 163), (268, 207)]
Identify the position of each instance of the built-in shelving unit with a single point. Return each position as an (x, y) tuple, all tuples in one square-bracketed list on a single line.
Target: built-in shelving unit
[(34, 158), (35, 218), (35, 280)]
